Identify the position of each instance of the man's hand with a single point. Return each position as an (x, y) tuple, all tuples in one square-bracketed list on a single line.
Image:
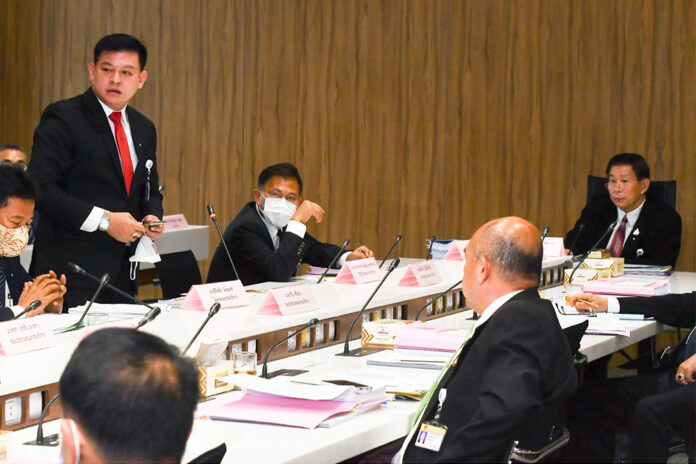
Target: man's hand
[(45, 288), (306, 210), (361, 252), (154, 231), (686, 370), (124, 228), (581, 302)]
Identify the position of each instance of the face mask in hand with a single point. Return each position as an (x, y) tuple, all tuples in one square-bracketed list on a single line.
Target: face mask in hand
[(146, 252), (13, 241), (278, 210)]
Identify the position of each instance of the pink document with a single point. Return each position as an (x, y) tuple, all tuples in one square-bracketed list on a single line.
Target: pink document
[(627, 286), (294, 412), (427, 337)]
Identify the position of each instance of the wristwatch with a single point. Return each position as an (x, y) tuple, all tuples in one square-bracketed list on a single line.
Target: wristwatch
[(105, 221)]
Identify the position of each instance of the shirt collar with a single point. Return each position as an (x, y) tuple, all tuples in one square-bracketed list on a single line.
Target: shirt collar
[(272, 230), (631, 217), (108, 111), (493, 307)]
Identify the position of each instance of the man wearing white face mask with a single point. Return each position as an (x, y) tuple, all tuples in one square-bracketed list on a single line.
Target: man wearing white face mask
[(268, 239), (17, 194)]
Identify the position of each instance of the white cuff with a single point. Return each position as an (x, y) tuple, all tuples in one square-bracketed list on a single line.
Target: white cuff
[(342, 260), (297, 228), (91, 224), (613, 305), (16, 309)]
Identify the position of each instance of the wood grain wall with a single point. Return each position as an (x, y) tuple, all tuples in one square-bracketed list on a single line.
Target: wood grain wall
[(416, 117)]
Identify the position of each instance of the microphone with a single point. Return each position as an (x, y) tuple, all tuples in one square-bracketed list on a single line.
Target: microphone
[(264, 372), (346, 350), (213, 216), (340, 252), (78, 270), (213, 311), (584, 256), (51, 440), (430, 248), (396, 242), (151, 314), (435, 299), (546, 231), (102, 282), (32, 306), (581, 227)]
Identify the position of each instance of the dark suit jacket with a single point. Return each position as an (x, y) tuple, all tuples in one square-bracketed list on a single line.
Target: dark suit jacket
[(76, 162), (13, 274), (677, 310), (255, 257), (510, 382), (659, 227)]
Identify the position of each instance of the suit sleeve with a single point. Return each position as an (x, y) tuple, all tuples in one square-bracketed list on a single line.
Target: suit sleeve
[(677, 310), (51, 162), (668, 242)]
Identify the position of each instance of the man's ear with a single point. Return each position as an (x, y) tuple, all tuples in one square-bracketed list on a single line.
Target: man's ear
[(483, 270), (257, 198), (644, 184), (67, 441)]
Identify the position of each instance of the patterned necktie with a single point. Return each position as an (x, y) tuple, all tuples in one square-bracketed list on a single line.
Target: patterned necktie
[(122, 141), (618, 242)]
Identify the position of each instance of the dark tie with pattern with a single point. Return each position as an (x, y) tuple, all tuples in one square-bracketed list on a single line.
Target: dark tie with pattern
[(618, 242)]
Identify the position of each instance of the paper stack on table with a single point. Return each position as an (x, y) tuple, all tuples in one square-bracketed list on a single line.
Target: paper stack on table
[(632, 286)]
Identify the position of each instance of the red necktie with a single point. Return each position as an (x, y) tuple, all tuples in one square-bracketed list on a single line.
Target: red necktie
[(618, 242), (122, 141)]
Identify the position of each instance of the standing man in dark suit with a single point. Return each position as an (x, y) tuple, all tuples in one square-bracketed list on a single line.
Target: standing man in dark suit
[(268, 238), (94, 158), (647, 231), (510, 381)]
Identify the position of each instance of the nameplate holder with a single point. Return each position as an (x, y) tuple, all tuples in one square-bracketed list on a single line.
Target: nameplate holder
[(420, 275), (174, 222), (229, 294), (456, 250), (359, 271), (289, 300), (24, 335), (553, 247)]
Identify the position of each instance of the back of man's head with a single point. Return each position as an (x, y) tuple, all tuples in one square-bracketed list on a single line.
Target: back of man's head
[(637, 162), (513, 246), (121, 43), (132, 395), (16, 183)]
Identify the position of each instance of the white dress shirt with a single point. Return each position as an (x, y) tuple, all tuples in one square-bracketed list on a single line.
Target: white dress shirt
[(631, 218)]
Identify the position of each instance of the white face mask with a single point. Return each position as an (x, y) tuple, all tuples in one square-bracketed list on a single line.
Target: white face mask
[(13, 241), (146, 252), (278, 210), (76, 444)]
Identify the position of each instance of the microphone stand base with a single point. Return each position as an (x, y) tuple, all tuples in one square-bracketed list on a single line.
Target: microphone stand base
[(359, 352), (49, 440), (286, 373)]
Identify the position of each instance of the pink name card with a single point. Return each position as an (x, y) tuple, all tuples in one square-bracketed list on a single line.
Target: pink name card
[(174, 222), (24, 335), (229, 294), (289, 300), (359, 271), (456, 250), (420, 275), (553, 247)]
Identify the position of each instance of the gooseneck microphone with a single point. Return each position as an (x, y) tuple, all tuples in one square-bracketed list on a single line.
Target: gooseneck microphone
[(213, 216), (32, 306), (584, 256), (333, 261), (102, 283), (264, 372), (78, 270), (396, 242), (431, 241), (418, 313), (546, 231), (213, 311), (51, 440), (346, 350), (581, 227), (151, 314)]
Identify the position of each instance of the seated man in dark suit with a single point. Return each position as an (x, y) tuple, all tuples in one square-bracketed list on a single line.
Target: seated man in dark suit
[(127, 396), (18, 291), (268, 238), (654, 406), (510, 381), (648, 231)]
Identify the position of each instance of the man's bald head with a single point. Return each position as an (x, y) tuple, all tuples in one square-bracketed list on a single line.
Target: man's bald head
[(513, 246)]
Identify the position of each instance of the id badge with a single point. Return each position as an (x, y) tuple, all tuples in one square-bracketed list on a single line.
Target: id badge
[(431, 435)]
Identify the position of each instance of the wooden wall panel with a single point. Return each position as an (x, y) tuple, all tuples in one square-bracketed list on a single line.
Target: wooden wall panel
[(412, 117)]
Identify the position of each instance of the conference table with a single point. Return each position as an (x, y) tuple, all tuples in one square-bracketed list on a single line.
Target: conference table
[(248, 442)]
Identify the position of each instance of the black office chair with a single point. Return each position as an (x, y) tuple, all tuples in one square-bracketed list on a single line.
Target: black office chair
[(177, 273), (558, 438), (665, 190), (213, 456)]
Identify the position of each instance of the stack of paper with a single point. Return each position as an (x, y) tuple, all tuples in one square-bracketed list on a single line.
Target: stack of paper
[(420, 336), (606, 324), (634, 286), (647, 270)]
